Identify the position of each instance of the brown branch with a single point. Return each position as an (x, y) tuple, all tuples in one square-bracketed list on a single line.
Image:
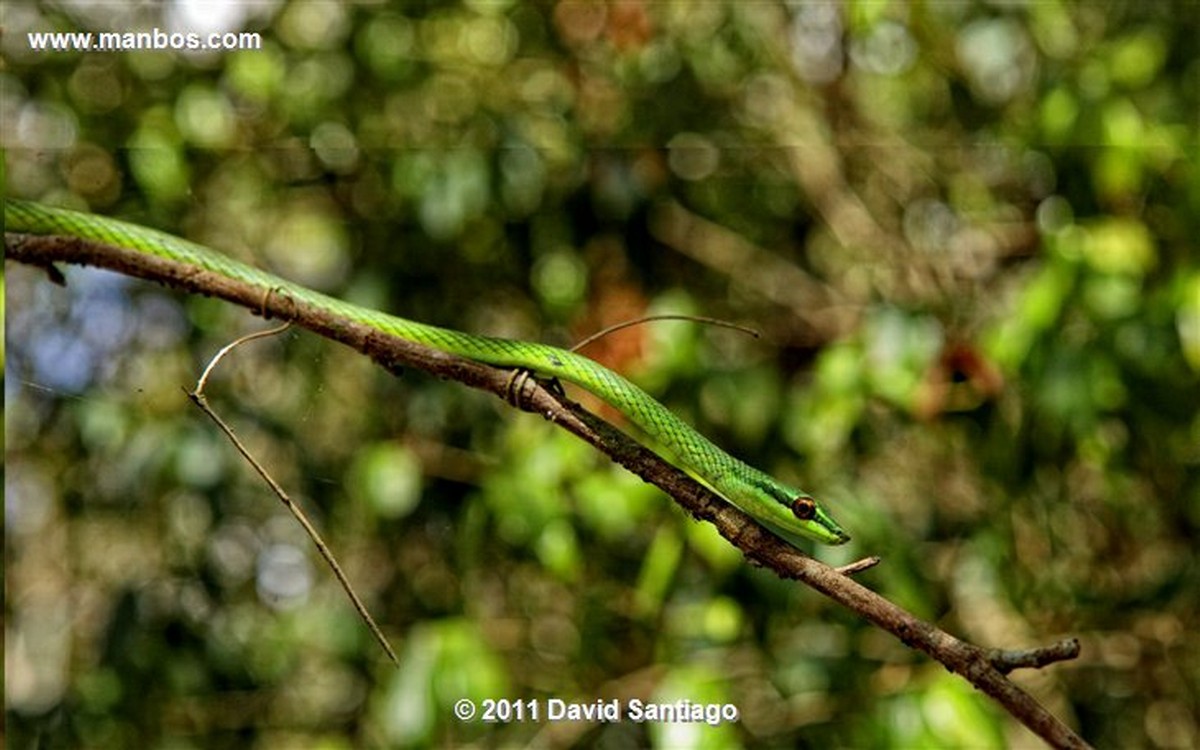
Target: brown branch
[(1006, 661), (981, 667), (859, 566)]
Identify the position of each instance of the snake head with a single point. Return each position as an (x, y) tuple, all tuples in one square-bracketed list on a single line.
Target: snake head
[(791, 514), (814, 521)]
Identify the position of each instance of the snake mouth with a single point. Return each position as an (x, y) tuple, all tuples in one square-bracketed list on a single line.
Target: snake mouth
[(834, 533)]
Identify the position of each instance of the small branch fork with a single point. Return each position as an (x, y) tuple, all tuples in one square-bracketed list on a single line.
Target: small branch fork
[(1006, 661), (986, 669), (198, 398)]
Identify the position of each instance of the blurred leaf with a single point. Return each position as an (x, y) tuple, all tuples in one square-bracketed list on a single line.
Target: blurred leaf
[(1119, 245), (1188, 320), (658, 571), (558, 550), (443, 662), (387, 477), (699, 685), (1137, 58)]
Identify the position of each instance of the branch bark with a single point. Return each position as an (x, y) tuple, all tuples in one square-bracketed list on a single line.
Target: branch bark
[(986, 669)]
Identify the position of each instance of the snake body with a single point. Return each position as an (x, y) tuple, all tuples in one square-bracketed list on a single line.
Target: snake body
[(789, 513)]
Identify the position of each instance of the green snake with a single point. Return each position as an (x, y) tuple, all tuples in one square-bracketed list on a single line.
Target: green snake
[(789, 513)]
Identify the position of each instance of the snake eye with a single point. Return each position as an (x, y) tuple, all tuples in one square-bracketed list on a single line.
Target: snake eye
[(804, 508)]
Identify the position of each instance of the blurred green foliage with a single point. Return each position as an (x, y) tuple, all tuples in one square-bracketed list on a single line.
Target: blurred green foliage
[(967, 231)]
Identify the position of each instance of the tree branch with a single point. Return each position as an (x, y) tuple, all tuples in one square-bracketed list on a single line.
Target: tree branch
[(986, 669), (1006, 661)]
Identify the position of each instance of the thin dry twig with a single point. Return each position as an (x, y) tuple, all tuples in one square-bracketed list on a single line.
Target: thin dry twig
[(198, 398), (973, 663), (212, 363), (652, 318), (859, 566)]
